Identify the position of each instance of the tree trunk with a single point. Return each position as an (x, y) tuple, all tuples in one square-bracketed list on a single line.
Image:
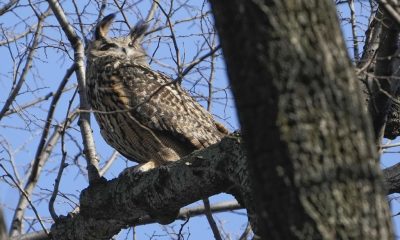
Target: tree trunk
[(310, 143)]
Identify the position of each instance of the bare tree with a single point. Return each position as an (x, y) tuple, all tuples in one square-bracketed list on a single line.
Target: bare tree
[(313, 119)]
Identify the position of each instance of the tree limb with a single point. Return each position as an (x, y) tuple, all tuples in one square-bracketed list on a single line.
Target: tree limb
[(84, 120), (106, 208)]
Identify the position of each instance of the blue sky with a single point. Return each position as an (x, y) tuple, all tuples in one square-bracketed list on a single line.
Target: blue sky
[(20, 132)]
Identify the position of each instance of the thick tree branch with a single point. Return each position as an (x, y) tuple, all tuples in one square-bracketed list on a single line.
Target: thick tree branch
[(392, 178), (131, 200), (106, 208), (184, 214)]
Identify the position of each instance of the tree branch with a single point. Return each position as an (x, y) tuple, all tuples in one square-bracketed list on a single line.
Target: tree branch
[(106, 208), (184, 214), (84, 120), (26, 69)]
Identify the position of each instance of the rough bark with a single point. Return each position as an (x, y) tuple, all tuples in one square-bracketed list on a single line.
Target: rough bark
[(310, 143), (384, 83), (223, 164), (378, 70), (106, 208)]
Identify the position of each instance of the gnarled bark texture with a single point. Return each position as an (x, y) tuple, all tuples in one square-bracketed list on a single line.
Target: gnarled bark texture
[(106, 208), (310, 143)]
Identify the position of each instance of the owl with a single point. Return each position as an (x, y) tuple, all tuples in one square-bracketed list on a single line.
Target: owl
[(142, 113)]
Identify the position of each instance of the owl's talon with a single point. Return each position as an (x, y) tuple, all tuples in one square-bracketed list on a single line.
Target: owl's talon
[(144, 167)]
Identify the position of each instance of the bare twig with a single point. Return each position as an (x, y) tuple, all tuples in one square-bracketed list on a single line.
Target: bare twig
[(62, 164), (37, 100), (175, 43), (84, 121), (6, 7), (27, 198), (246, 232), (391, 10), (47, 125), (109, 162), (19, 36), (15, 228), (152, 10), (354, 31), (194, 63), (211, 220), (121, 9), (26, 69)]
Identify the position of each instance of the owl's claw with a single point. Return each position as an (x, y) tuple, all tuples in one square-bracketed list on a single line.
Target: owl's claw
[(144, 167)]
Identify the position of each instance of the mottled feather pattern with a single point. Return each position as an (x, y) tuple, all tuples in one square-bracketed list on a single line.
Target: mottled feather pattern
[(142, 113), (126, 91)]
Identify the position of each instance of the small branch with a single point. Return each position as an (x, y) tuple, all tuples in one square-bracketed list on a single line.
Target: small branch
[(46, 127), (121, 9), (354, 31), (391, 10), (62, 164), (177, 54), (210, 219), (27, 198), (246, 232), (194, 63), (37, 100), (84, 120), (152, 10), (26, 69), (15, 228), (109, 162), (17, 37), (7, 6)]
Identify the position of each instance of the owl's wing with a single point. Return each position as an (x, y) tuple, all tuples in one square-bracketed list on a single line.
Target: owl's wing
[(160, 104)]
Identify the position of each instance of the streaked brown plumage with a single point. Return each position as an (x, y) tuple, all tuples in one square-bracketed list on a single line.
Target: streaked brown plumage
[(141, 113)]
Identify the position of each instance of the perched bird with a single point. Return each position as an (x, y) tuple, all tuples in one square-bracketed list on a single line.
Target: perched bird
[(142, 113)]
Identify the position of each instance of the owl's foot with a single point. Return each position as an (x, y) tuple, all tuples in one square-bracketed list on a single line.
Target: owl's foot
[(144, 167)]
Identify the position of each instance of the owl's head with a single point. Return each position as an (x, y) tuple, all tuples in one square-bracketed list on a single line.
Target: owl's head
[(121, 47)]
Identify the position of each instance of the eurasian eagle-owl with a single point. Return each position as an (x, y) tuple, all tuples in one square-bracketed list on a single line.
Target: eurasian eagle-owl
[(141, 113)]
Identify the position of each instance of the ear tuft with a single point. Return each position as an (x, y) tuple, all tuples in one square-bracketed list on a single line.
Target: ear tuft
[(138, 31), (103, 26)]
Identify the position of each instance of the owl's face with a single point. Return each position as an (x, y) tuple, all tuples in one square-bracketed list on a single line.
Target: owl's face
[(128, 47)]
